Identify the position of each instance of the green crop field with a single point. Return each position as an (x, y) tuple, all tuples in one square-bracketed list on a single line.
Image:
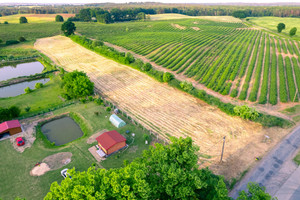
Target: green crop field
[(226, 57), (272, 22)]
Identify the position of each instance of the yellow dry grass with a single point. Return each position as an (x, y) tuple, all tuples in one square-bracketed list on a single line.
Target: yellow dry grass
[(34, 18), (170, 16), (166, 110)]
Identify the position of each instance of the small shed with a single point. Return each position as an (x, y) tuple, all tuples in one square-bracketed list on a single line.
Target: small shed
[(12, 127), (111, 142), (116, 121)]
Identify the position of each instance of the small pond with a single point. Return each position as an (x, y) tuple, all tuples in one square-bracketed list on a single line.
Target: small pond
[(17, 89), (24, 69), (61, 131)]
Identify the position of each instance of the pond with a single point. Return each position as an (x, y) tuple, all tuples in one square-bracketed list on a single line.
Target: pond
[(17, 89), (23, 69), (62, 131)]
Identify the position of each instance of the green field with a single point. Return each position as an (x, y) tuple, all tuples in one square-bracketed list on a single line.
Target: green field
[(229, 58), (15, 166), (272, 22)]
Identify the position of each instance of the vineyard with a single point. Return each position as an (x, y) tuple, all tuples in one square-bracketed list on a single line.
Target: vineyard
[(227, 57), (161, 108)]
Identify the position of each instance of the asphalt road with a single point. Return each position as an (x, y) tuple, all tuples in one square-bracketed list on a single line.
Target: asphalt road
[(275, 168)]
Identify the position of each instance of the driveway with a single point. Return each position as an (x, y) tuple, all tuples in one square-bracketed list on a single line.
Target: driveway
[(275, 169)]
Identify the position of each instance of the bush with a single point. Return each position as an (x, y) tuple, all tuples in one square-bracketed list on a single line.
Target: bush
[(146, 67), (186, 86), (5, 22), (1, 41), (23, 20), (10, 42), (246, 112), (27, 90), (293, 31), (90, 98), (108, 109), (9, 113), (27, 109), (129, 58), (83, 100), (22, 39), (97, 43), (98, 101), (167, 77), (38, 85)]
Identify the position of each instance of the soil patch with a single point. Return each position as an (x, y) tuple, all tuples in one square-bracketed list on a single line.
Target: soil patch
[(178, 26), (40, 170), (58, 160), (196, 28)]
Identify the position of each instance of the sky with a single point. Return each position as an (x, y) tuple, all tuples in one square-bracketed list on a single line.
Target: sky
[(163, 1)]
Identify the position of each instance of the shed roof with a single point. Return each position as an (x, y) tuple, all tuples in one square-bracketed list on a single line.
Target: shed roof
[(9, 125), (109, 139)]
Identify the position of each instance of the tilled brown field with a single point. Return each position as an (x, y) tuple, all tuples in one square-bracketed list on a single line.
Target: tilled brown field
[(165, 110)]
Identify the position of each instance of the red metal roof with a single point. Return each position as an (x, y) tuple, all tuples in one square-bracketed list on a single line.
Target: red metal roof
[(109, 139), (9, 125)]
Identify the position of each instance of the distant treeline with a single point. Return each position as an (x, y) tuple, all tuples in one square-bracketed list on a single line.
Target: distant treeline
[(126, 12)]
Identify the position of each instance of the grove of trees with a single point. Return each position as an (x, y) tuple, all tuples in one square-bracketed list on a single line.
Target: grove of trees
[(163, 172), (77, 84), (9, 113)]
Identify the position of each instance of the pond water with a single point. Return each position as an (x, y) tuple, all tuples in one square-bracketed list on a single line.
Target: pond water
[(23, 69), (62, 131), (17, 89)]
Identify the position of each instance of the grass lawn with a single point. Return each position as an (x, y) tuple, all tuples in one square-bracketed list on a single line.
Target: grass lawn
[(297, 159), (272, 22), (35, 100), (15, 166), (34, 18)]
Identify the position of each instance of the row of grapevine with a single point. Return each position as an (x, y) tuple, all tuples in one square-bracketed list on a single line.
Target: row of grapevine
[(265, 82), (273, 79)]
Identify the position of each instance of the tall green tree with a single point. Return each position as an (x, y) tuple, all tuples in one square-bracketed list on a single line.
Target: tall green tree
[(85, 15), (59, 18), (68, 28), (293, 31), (23, 20), (255, 192), (280, 27), (77, 84)]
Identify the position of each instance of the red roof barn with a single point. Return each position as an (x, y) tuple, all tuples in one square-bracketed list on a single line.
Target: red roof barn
[(12, 127), (111, 141)]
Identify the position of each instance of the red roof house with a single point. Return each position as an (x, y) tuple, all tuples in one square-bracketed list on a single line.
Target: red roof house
[(12, 127), (111, 141)]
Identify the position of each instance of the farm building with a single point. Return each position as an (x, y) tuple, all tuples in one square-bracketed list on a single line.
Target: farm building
[(10, 127), (116, 121), (111, 142)]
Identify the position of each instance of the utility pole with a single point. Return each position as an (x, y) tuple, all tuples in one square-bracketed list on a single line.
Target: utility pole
[(223, 148)]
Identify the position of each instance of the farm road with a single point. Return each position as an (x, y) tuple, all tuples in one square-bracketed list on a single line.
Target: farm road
[(276, 170)]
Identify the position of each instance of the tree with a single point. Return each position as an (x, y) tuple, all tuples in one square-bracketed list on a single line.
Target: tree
[(85, 15), (186, 86), (23, 20), (255, 192), (147, 67), (246, 112), (68, 28), (239, 14), (293, 31), (59, 18), (5, 22), (141, 16), (27, 90), (1, 41), (38, 85), (167, 77), (104, 18), (14, 111), (129, 58), (280, 27), (77, 84)]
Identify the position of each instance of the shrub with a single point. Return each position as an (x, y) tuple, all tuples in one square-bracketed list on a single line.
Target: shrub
[(90, 98), (5, 22), (280, 27), (129, 58), (83, 100), (38, 85), (246, 112), (14, 111), (108, 109), (147, 67), (27, 90), (10, 42), (186, 86), (97, 43), (167, 77), (98, 101), (22, 39), (27, 109), (293, 31), (23, 20)]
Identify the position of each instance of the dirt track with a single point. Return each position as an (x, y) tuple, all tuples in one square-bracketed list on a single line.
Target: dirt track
[(165, 110)]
